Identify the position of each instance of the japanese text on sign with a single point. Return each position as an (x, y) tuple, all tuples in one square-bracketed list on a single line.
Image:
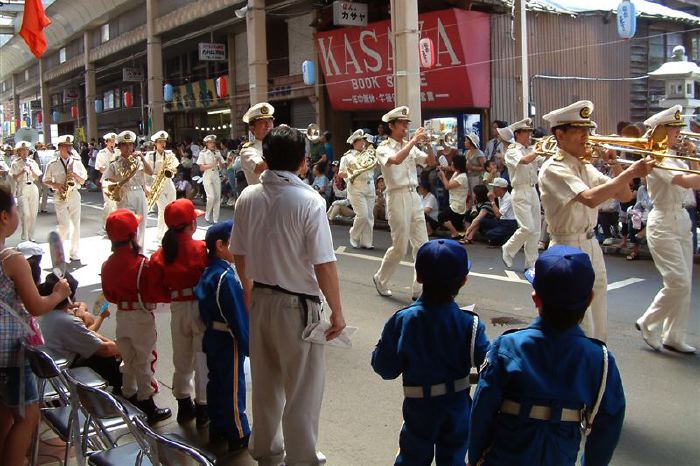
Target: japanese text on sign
[(349, 14)]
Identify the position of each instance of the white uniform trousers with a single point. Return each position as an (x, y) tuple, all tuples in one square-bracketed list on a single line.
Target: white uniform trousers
[(288, 380), (212, 186), (362, 202), (136, 340), (187, 330), (108, 207), (134, 199), (526, 206), (167, 196), (404, 213), (27, 207), (670, 243), (44, 194), (595, 321), (68, 215)]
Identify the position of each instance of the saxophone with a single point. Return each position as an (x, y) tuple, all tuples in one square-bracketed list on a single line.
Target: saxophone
[(114, 190), (166, 172), (364, 162), (68, 186)]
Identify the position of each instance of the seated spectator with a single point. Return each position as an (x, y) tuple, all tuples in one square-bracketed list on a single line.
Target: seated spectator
[(483, 209), (453, 217), (490, 173), (320, 182), (430, 207), (637, 220), (608, 218), (33, 253), (67, 335), (183, 188), (498, 230), (380, 201)]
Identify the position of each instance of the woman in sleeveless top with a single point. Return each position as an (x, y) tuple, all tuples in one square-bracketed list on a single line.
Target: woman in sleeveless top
[(19, 301)]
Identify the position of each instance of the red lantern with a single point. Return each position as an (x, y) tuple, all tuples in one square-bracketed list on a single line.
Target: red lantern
[(39, 118), (74, 112), (427, 53), (128, 99), (221, 89)]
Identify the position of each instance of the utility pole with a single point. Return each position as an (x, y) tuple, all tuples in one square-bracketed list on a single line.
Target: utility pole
[(523, 73)]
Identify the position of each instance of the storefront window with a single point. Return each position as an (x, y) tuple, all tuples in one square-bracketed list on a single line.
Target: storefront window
[(109, 100), (62, 55), (104, 31)]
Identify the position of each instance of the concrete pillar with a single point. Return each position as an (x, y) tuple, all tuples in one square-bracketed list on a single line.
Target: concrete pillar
[(45, 103), (257, 51), (404, 22), (154, 59), (231, 83), (15, 104), (90, 91), (521, 67)]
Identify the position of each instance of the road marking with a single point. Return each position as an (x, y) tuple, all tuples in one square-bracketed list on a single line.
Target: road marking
[(511, 276), (623, 283)]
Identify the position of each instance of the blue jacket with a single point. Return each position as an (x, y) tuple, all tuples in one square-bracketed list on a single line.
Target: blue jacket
[(546, 367), (233, 311), (428, 344)]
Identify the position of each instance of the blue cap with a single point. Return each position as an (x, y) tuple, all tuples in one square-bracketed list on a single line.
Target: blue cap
[(442, 259), (221, 230), (563, 277)]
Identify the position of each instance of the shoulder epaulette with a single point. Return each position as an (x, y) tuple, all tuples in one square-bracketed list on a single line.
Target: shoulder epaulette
[(512, 146), (248, 144), (384, 142)]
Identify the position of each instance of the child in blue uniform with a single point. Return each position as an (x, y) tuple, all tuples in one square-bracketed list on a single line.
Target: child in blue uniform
[(540, 384), (434, 344), (225, 339)]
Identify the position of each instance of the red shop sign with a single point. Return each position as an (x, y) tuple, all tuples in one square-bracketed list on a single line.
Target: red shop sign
[(358, 63)]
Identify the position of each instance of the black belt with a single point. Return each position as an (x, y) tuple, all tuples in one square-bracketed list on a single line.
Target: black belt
[(302, 296)]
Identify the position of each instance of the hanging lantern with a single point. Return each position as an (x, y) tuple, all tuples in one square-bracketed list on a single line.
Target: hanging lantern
[(308, 72), (74, 111), (56, 116), (128, 99), (626, 19), (99, 106), (39, 118), (426, 52), (168, 93), (221, 89)]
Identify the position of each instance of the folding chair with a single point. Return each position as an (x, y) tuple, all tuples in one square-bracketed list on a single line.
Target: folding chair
[(57, 418), (107, 413), (173, 449)]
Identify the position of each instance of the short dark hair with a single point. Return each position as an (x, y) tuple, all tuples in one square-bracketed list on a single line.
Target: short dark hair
[(500, 123), (444, 291), (7, 200), (284, 149), (46, 288), (481, 193), (460, 163), (564, 128), (562, 319)]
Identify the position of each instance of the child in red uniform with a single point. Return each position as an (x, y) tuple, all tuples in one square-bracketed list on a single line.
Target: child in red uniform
[(180, 263), (128, 280)]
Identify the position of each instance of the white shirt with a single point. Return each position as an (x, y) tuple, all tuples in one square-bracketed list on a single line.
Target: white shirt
[(207, 157), (520, 174), (281, 228), (403, 175), (364, 183), (56, 169), (664, 194), (104, 158), (429, 200), (458, 196), (120, 165), (505, 206), (251, 155), (17, 167)]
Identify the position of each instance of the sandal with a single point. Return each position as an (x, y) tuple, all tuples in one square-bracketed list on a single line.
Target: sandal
[(633, 256)]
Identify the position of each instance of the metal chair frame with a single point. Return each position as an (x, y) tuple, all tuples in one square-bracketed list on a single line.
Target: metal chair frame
[(167, 448)]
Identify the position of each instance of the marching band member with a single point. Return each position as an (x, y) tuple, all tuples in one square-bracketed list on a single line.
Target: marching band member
[(127, 173), (521, 161), (25, 171), (361, 192), (670, 243), (128, 280), (159, 157), (210, 161), (571, 191), (65, 174), (260, 120), (179, 263), (398, 159), (104, 157)]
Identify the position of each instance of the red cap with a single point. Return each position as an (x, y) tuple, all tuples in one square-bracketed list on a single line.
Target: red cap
[(122, 225), (181, 212)]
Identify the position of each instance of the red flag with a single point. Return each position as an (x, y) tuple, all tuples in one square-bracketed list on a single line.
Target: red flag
[(33, 24)]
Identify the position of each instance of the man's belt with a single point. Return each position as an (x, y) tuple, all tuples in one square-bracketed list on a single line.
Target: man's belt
[(182, 294), (541, 413), (219, 326), (440, 389), (278, 288), (410, 189), (134, 306), (573, 236)]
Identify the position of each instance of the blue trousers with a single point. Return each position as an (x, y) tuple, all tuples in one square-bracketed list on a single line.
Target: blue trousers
[(437, 427), (226, 395), (497, 231)]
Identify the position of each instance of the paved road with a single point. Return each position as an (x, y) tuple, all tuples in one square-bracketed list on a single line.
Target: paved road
[(361, 414)]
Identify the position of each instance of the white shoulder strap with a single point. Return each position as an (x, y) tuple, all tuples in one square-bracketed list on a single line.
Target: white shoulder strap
[(138, 284), (472, 348), (218, 301), (601, 392)]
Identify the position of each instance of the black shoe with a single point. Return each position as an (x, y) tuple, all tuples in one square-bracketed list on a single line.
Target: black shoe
[(185, 410), (201, 414), (153, 412), (238, 443)]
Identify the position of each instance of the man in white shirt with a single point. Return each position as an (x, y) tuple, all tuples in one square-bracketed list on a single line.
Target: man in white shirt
[(498, 230), (210, 161), (430, 207), (260, 120), (398, 159), (521, 161), (105, 156), (284, 272)]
